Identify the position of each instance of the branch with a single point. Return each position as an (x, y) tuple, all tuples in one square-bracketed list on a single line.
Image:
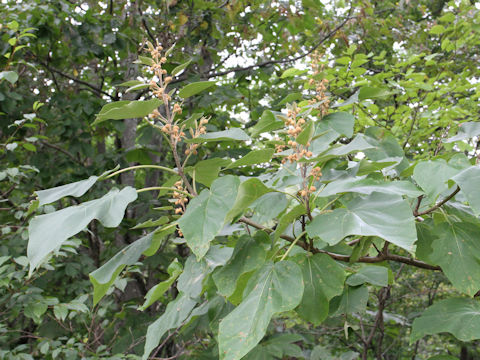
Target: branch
[(93, 87), (436, 206), (286, 60), (346, 258), (56, 147), (279, 61), (380, 258), (144, 23)]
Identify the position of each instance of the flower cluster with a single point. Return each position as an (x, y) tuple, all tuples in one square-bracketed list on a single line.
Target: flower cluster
[(305, 192), (180, 198), (320, 86), (176, 133), (168, 123), (199, 130), (158, 87), (295, 127), (316, 173)]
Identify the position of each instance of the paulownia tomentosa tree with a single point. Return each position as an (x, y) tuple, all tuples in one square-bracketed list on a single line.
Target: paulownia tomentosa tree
[(327, 212)]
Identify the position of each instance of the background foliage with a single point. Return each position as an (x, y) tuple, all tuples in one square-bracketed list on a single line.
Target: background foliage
[(400, 135)]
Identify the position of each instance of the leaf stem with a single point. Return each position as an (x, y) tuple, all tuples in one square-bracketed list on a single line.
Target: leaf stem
[(330, 203), (164, 188), (292, 245), (140, 167)]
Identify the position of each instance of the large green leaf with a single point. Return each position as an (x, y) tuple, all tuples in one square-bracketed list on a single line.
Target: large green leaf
[(323, 278), (372, 274), (353, 300), (469, 181), (359, 143), (206, 171), (457, 250), (268, 206), (126, 110), (268, 122), (76, 189), (459, 317), (206, 214), (367, 186), (189, 286), (178, 310), (248, 191), (248, 255), (156, 292), (253, 157), (340, 121), (365, 166), (275, 288), (105, 276), (386, 147), (432, 176), (466, 130), (195, 88), (330, 128), (48, 232), (387, 216), (225, 135)]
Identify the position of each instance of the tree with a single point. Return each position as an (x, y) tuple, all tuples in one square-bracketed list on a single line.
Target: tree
[(301, 229)]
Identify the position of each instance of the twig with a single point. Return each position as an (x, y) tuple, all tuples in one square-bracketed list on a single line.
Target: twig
[(74, 79), (56, 147), (287, 60), (419, 201), (437, 205), (346, 258), (144, 23), (279, 61)]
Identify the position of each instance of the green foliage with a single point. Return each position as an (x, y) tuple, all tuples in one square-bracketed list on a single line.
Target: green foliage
[(273, 289), (458, 316), (382, 215), (296, 180), (48, 232)]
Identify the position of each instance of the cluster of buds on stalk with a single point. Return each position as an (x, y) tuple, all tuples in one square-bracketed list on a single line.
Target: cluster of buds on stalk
[(168, 124), (320, 85), (180, 198), (316, 173), (159, 90), (295, 124), (199, 130), (304, 192), (308, 180), (279, 147)]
